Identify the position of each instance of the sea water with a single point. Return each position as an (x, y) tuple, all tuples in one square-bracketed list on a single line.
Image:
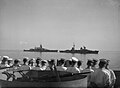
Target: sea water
[(113, 56)]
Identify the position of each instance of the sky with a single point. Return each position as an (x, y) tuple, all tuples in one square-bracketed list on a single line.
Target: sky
[(57, 24)]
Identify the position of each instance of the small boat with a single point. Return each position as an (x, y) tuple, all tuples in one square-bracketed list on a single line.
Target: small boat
[(40, 49), (80, 51), (46, 79)]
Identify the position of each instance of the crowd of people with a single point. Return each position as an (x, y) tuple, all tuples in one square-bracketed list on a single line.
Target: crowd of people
[(100, 75)]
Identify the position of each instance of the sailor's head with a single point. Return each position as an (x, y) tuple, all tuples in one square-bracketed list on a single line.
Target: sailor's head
[(60, 62), (90, 62), (17, 61), (102, 63), (4, 59), (94, 61), (68, 63), (25, 59), (43, 62), (10, 60), (74, 60), (79, 63)]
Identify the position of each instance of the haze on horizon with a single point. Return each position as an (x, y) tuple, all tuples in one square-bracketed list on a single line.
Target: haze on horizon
[(56, 24)]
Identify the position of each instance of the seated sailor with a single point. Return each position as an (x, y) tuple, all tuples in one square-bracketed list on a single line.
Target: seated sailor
[(25, 65), (43, 65), (31, 63), (88, 68), (10, 62), (51, 64), (79, 64), (4, 62), (37, 67), (60, 65), (72, 68)]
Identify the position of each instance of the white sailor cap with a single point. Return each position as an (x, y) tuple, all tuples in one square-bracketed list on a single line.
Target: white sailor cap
[(5, 57), (44, 61), (74, 59), (10, 59)]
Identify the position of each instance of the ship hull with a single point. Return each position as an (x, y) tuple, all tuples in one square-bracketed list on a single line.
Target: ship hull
[(79, 51)]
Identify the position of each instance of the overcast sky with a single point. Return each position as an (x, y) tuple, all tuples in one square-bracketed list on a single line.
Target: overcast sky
[(58, 23)]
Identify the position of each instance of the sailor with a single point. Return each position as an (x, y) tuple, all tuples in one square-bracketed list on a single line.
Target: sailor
[(50, 65), (4, 62), (37, 67), (15, 65), (94, 67), (67, 63), (79, 64), (10, 60), (31, 63), (25, 65), (73, 68), (43, 65), (100, 77), (60, 65), (112, 74), (88, 70), (89, 65)]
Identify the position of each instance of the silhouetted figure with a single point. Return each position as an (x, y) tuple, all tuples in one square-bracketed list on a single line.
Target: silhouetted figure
[(79, 64), (94, 67), (112, 74), (60, 65), (100, 78)]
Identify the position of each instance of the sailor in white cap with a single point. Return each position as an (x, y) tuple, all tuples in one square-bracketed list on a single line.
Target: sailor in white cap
[(10, 60), (25, 65), (73, 67), (31, 63), (43, 65), (4, 62), (60, 65), (75, 59)]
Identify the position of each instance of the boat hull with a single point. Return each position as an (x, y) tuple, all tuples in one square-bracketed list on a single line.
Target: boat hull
[(80, 83)]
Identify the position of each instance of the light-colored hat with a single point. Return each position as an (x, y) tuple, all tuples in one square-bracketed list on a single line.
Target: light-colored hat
[(74, 59), (26, 58), (44, 61), (10, 59), (5, 57)]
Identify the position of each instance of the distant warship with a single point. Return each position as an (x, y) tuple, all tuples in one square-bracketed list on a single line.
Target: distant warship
[(40, 49), (80, 51)]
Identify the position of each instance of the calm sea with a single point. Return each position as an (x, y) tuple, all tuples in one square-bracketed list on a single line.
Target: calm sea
[(113, 56)]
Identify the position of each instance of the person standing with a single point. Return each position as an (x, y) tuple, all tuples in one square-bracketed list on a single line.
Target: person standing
[(100, 78), (94, 67), (112, 74)]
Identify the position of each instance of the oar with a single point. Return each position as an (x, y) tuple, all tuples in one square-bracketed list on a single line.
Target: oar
[(56, 72)]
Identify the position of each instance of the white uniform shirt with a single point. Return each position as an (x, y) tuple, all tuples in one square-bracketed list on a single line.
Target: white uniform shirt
[(73, 69), (61, 68), (36, 68), (112, 75), (87, 70), (24, 67)]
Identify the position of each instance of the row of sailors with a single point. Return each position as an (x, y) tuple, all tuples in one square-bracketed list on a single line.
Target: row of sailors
[(101, 76), (39, 64)]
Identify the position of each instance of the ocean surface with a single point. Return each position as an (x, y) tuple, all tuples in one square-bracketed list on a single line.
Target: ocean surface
[(113, 56)]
